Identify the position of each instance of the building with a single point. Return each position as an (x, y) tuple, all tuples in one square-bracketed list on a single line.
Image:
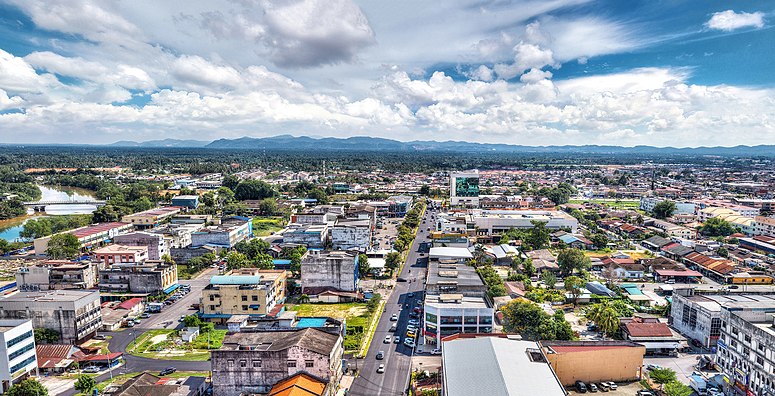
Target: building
[(299, 384), (497, 366), (17, 352), (310, 235), (75, 315), (151, 217), (493, 223), (448, 314), (186, 201), (764, 243), (464, 189), (321, 214), (120, 254), (648, 204), (156, 244), (89, 236), (351, 234), (398, 205), (148, 384), (151, 277), (745, 347), (764, 226), (445, 277), (580, 360), (329, 269), (228, 233), (245, 292), (56, 275), (253, 362), (656, 336)]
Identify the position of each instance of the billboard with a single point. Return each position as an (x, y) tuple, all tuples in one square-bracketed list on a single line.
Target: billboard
[(467, 187)]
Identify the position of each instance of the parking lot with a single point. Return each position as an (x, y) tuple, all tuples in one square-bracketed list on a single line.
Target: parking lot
[(623, 390)]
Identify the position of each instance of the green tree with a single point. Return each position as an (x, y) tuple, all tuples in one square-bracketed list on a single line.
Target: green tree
[(236, 260), (549, 279), (263, 261), (28, 387), (46, 336), (63, 246), (141, 204), (533, 323), (528, 268), (574, 285), (537, 237), (167, 259), (605, 317), (392, 261), (192, 321), (268, 206), (662, 376), (107, 214), (254, 189), (363, 265), (717, 227), (675, 388), (723, 252), (425, 190), (84, 384), (230, 182), (600, 240), (572, 260), (664, 209)]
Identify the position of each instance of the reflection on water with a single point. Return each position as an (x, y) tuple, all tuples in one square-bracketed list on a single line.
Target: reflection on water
[(10, 229)]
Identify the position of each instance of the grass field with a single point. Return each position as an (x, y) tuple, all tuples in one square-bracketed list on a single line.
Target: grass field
[(160, 344), (356, 315), (612, 203), (264, 226)]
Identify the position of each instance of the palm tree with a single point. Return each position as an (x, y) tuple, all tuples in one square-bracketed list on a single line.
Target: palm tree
[(303, 299), (604, 316)]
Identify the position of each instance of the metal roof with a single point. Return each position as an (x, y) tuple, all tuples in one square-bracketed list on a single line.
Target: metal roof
[(235, 280)]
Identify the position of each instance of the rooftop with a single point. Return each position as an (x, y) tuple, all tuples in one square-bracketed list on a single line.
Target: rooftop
[(96, 229), (309, 338), (52, 295)]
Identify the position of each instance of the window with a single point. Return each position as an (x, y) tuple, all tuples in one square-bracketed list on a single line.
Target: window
[(760, 361), (21, 365), (309, 363), (18, 339), (747, 338), (255, 298), (244, 298), (21, 351), (256, 363), (291, 363), (230, 363), (243, 363), (212, 297), (212, 307), (244, 307)]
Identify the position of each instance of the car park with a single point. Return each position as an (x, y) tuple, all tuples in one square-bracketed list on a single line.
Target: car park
[(380, 355), (386, 340), (381, 368)]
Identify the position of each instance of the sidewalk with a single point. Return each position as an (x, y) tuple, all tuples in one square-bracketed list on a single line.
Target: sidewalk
[(345, 384)]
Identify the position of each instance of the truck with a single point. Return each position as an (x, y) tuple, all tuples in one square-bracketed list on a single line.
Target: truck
[(699, 384)]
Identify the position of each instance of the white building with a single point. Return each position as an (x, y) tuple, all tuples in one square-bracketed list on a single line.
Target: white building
[(17, 351), (464, 189), (351, 234), (448, 314), (764, 226), (496, 222)]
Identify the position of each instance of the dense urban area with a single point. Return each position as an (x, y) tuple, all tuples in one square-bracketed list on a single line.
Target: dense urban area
[(265, 272)]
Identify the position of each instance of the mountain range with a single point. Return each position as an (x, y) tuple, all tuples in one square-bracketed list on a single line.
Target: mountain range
[(364, 143)]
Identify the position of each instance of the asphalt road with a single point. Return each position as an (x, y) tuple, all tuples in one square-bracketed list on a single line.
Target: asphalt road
[(169, 317), (398, 357)]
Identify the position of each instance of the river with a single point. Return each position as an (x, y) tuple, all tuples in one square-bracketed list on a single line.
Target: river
[(10, 229)]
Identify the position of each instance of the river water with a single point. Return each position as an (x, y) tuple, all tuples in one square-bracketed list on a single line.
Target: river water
[(10, 229)]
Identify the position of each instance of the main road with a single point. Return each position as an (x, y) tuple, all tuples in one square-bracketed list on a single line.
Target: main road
[(398, 357)]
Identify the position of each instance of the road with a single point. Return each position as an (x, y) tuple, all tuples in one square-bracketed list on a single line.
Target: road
[(169, 316), (398, 357)]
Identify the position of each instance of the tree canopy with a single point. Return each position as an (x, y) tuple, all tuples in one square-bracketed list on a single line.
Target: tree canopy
[(664, 209), (533, 323)]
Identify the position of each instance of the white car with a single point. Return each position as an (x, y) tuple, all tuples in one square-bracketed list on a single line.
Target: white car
[(386, 340), (612, 385), (394, 318), (381, 368), (409, 342), (436, 351)]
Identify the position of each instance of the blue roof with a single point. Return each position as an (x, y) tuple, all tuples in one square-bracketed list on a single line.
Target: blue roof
[(235, 280), (568, 238), (171, 288), (311, 322), (631, 289), (215, 316), (281, 261)]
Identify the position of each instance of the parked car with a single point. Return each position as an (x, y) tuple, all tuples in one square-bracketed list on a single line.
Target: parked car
[(400, 279), (394, 318), (653, 367), (100, 337), (396, 340), (145, 315), (644, 392), (386, 340), (581, 387), (394, 327), (436, 351), (168, 371), (91, 369), (409, 342), (380, 355), (603, 386), (613, 385), (592, 387), (414, 322), (381, 368)]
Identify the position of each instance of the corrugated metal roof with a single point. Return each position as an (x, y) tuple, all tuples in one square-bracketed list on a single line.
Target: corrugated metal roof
[(235, 280)]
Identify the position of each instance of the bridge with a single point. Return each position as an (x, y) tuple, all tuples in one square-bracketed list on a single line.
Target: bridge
[(40, 206)]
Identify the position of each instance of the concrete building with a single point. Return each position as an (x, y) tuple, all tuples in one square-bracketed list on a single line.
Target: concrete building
[(152, 217), (351, 234), (155, 244), (580, 360), (321, 214), (648, 204), (494, 365), (248, 291), (74, 314), (57, 275), (90, 236), (329, 269), (310, 235), (186, 201), (17, 352), (228, 233), (464, 189), (120, 254), (449, 314), (453, 278), (764, 226), (496, 222), (150, 277), (252, 362), (398, 205), (745, 350)]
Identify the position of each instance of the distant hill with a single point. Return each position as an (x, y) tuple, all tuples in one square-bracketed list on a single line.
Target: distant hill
[(364, 143), (161, 143)]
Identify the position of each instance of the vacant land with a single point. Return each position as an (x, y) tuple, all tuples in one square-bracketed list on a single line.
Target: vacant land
[(264, 226), (165, 344), (357, 316)]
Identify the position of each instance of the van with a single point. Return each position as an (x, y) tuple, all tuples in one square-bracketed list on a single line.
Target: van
[(581, 387)]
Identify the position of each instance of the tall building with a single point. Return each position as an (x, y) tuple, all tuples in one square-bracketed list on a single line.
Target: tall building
[(74, 314), (329, 269), (248, 291), (464, 189), (17, 351)]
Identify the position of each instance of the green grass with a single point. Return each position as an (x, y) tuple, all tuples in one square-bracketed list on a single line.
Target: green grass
[(264, 226), (196, 351), (356, 314), (612, 202), (120, 379)]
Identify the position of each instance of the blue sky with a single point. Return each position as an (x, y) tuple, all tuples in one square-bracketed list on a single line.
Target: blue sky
[(663, 73)]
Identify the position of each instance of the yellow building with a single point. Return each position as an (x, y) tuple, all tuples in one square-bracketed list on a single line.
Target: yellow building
[(594, 361), (751, 278), (248, 291)]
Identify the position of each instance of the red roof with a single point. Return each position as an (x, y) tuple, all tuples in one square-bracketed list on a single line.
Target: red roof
[(53, 350), (666, 272), (131, 303), (96, 229), (636, 329), (585, 348), (101, 358)]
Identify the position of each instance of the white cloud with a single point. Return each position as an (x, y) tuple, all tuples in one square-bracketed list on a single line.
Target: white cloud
[(7, 102), (729, 20)]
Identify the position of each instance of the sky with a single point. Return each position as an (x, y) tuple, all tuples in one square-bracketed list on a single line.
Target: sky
[(679, 73)]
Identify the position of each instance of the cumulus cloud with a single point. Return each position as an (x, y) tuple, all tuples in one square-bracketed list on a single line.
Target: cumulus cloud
[(729, 20)]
